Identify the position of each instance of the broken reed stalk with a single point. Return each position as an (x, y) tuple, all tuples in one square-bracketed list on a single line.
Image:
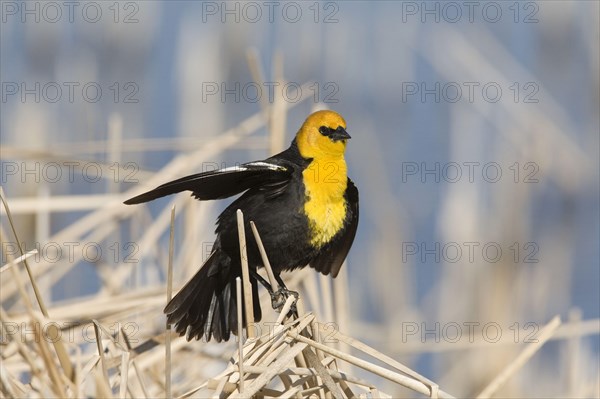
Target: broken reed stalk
[(5, 383), (21, 347), (245, 276), (275, 114), (36, 290), (168, 366), (61, 352), (338, 336), (315, 362), (400, 379), (289, 353), (124, 372), (18, 260), (278, 116), (100, 347), (264, 257), (135, 365), (240, 331), (286, 308), (544, 335), (258, 75), (306, 371)]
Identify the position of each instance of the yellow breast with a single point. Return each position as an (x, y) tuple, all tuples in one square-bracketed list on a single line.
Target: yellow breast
[(325, 182)]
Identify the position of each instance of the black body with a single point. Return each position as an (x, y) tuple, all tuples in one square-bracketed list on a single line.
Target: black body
[(274, 199)]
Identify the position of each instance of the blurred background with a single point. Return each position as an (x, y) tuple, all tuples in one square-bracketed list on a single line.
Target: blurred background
[(475, 146)]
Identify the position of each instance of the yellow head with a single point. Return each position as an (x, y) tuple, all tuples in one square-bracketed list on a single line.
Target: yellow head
[(323, 134)]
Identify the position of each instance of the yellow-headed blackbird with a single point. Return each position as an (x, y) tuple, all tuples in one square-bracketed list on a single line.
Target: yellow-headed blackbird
[(304, 206)]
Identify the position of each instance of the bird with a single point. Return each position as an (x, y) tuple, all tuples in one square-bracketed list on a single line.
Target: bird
[(304, 206)]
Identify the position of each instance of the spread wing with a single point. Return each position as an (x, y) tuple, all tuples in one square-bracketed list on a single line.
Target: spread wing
[(333, 254), (223, 183)]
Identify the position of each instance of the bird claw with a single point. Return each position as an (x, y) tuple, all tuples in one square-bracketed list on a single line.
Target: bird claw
[(279, 297)]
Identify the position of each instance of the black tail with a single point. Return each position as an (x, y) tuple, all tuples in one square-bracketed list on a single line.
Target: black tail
[(207, 303)]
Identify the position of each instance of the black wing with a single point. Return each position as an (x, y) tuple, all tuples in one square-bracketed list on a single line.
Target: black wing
[(333, 254), (222, 183)]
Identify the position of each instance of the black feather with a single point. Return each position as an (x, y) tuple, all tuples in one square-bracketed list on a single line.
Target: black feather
[(221, 183)]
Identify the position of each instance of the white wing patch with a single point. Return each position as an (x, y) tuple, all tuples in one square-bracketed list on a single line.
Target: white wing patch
[(236, 168), (241, 168), (270, 166)]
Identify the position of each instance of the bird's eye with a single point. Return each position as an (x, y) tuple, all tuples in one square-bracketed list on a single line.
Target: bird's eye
[(325, 131)]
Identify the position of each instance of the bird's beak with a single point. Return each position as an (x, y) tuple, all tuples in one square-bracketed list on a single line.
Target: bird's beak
[(339, 134)]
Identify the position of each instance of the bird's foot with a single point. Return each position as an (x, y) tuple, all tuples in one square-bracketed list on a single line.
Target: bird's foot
[(279, 297)]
